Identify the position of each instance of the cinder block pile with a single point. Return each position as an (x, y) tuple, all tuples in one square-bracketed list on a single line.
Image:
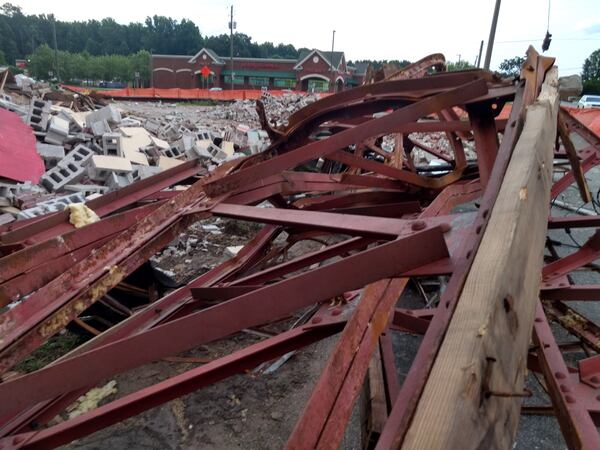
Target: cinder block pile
[(90, 153)]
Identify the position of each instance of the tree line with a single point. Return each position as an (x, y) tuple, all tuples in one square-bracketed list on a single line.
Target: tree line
[(22, 34), (79, 67)]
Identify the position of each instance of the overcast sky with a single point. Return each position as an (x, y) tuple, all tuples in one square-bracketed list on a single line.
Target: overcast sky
[(373, 29)]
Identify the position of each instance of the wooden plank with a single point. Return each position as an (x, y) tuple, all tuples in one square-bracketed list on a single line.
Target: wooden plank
[(377, 402), (484, 352)]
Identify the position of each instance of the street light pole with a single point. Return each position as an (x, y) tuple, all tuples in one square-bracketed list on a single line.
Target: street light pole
[(490, 45), (331, 62), (55, 49), (231, 26), (478, 60)]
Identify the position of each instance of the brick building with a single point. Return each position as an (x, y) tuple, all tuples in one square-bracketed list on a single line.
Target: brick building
[(313, 71)]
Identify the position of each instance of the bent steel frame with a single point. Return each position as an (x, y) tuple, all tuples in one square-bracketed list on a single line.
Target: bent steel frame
[(382, 218)]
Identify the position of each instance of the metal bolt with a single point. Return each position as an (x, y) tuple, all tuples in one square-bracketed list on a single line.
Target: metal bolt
[(418, 225)]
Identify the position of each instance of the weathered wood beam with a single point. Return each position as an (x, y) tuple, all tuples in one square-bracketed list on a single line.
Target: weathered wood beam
[(472, 396)]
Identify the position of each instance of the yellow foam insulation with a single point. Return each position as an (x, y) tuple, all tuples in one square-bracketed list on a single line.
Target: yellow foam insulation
[(91, 399), (81, 215)]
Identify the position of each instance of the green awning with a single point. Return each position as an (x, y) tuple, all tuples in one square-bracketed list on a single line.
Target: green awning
[(260, 73)]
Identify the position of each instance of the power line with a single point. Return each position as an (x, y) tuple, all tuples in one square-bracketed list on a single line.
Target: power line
[(537, 39)]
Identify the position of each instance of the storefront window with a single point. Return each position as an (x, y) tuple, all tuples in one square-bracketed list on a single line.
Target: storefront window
[(318, 86), (236, 80), (284, 83), (258, 81)]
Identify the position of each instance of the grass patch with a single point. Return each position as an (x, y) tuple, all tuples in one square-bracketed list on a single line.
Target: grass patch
[(54, 348)]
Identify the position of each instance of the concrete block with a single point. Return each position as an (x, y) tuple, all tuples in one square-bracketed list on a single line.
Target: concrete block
[(141, 172), (207, 150), (186, 142), (136, 157), (152, 126), (258, 140), (100, 128), (136, 142), (51, 154), (204, 135), (169, 132), (108, 113), (173, 152), (165, 162), (111, 144), (38, 114), (68, 170), (80, 155), (159, 143), (65, 172), (58, 126), (50, 206), (86, 189), (101, 166), (115, 182), (75, 121)]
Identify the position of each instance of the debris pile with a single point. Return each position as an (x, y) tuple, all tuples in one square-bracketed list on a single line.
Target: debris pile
[(278, 108), (89, 151)]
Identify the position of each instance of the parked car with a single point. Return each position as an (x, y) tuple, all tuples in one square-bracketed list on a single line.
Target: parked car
[(215, 89), (589, 101), (112, 84)]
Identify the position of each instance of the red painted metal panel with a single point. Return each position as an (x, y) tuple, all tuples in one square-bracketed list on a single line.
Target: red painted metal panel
[(19, 160)]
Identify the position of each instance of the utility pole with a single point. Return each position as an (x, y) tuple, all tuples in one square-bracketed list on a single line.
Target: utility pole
[(231, 27), (55, 49), (331, 61), (478, 62), (490, 45)]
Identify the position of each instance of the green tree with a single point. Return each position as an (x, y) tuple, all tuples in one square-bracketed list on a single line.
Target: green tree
[(41, 62), (2, 58), (140, 62), (22, 34), (511, 67), (458, 65), (591, 73), (591, 67)]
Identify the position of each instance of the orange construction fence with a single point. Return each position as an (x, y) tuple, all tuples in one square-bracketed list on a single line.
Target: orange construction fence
[(185, 94)]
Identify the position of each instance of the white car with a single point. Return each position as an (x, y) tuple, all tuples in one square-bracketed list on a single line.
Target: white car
[(589, 101)]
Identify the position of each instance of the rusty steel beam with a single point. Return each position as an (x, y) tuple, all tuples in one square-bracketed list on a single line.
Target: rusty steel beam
[(397, 215), (251, 309)]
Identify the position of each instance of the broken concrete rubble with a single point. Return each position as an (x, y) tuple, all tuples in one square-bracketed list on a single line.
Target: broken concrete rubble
[(51, 154), (91, 151)]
